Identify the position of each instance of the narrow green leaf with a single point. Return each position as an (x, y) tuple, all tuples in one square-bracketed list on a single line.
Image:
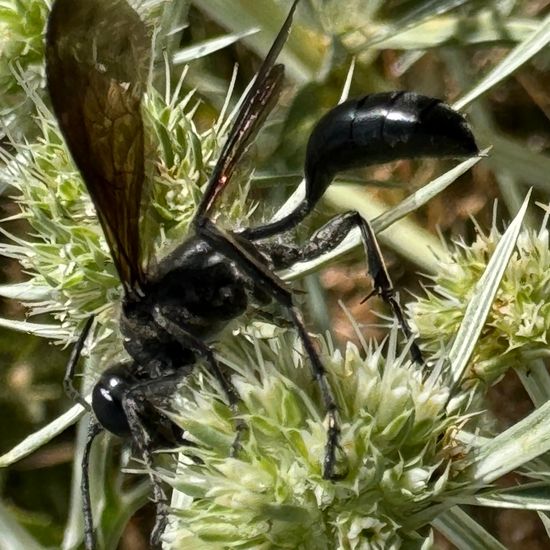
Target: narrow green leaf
[(42, 436), (546, 522), (526, 165), (185, 55), (536, 380), (13, 535), (483, 28), (524, 441), (74, 528), (425, 193), (301, 55), (482, 298), (37, 329), (25, 292), (464, 532), (528, 496), (516, 58), (421, 11)]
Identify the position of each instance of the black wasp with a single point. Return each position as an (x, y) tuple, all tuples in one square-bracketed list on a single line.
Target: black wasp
[(97, 62)]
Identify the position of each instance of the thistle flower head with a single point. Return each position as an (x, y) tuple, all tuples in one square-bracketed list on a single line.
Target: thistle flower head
[(394, 451), (21, 53), (519, 320)]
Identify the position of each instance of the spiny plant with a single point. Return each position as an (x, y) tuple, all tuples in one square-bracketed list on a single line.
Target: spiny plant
[(414, 455)]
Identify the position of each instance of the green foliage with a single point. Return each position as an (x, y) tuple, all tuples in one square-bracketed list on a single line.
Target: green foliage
[(394, 451), (518, 323), (406, 450)]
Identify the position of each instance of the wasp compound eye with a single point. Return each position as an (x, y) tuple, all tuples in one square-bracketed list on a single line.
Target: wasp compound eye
[(107, 397)]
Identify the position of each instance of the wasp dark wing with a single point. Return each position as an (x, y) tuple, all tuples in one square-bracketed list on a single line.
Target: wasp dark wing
[(255, 107), (97, 61)]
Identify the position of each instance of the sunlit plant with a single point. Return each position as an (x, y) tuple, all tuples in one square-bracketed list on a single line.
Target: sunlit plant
[(517, 327), (411, 453)]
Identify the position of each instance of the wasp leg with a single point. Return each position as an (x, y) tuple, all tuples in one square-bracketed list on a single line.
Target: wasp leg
[(326, 239), (233, 247), (68, 379), (187, 340), (271, 318), (133, 403), (94, 429)]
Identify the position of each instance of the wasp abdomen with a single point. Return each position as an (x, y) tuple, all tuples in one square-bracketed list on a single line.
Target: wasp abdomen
[(380, 128)]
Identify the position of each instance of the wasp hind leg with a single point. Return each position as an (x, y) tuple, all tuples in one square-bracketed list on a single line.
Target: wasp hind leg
[(328, 238)]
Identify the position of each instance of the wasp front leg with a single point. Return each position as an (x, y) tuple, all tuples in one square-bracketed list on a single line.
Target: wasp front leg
[(70, 370), (133, 404), (94, 429), (188, 340)]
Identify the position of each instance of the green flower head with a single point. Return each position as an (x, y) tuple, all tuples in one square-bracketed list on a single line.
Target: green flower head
[(394, 451)]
